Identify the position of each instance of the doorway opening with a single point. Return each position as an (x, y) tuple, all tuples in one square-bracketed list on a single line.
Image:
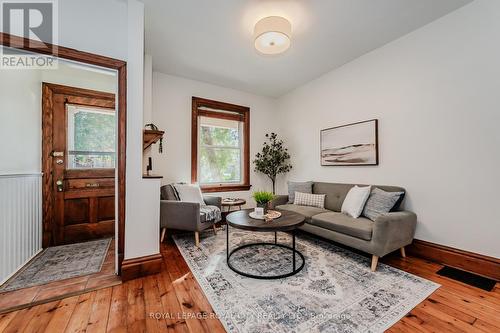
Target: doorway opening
[(81, 180)]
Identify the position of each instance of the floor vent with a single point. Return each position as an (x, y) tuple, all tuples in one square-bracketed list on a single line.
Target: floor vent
[(468, 278)]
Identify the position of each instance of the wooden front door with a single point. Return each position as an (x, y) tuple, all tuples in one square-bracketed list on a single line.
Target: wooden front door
[(79, 140)]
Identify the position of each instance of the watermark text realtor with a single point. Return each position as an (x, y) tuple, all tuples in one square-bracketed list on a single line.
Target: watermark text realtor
[(35, 21)]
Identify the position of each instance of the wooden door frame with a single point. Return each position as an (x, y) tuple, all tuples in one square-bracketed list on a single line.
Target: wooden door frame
[(93, 59)]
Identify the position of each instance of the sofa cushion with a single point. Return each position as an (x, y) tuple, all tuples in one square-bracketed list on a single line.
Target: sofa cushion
[(304, 187), (359, 228), (309, 199), (167, 192), (380, 202), (336, 193), (189, 193), (307, 211), (355, 201)]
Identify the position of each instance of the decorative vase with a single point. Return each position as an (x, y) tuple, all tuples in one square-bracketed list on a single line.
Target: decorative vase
[(263, 206)]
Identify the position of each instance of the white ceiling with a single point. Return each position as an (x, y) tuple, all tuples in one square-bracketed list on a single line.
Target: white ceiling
[(211, 40)]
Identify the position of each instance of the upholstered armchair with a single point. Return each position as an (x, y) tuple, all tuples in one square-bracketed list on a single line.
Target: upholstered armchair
[(175, 214)]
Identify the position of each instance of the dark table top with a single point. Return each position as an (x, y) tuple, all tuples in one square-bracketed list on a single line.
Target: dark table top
[(288, 221)]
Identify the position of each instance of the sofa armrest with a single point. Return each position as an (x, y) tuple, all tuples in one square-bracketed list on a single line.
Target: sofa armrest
[(279, 199), (392, 231), (213, 200), (179, 215)]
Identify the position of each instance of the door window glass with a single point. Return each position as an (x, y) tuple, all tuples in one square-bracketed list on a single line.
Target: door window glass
[(91, 137)]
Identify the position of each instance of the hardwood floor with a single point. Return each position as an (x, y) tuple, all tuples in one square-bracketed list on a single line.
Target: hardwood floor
[(56, 290), (131, 306)]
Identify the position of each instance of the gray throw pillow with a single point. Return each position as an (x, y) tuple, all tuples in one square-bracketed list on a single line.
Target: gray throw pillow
[(303, 187), (380, 202)]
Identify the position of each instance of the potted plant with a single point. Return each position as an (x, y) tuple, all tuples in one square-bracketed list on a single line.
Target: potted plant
[(274, 159), (262, 198)]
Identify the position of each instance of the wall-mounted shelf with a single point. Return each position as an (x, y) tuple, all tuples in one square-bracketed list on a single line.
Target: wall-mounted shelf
[(150, 137), (152, 176)]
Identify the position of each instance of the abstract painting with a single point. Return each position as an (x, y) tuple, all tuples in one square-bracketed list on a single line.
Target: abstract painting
[(352, 144)]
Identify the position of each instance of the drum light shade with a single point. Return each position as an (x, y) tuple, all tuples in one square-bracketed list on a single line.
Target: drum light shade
[(272, 35)]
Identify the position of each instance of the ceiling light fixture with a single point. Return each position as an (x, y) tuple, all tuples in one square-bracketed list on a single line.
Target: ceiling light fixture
[(272, 35)]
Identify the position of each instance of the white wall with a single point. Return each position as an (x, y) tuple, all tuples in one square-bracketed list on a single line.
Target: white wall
[(148, 88), (142, 222), (95, 26), (172, 113), (148, 105), (20, 122), (436, 95)]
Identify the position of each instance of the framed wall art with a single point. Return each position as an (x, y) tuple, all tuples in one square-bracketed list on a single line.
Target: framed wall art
[(350, 145)]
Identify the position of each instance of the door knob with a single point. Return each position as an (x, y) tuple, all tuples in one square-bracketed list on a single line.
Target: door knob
[(59, 185)]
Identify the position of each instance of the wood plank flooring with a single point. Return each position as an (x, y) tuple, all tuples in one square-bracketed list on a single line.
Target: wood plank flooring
[(13, 300), (133, 305)]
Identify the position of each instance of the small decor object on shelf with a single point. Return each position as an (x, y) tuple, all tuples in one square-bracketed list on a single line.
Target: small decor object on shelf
[(149, 167), (155, 133), (273, 160), (262, 198)]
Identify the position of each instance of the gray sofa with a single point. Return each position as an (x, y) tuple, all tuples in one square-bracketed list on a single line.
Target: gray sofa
[(179, 215), (386, 234)]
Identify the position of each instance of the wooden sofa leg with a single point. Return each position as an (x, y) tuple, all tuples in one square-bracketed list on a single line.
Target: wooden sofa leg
[(215, 229), (197, 238), (374, 263), (163, 232), (403, 252)]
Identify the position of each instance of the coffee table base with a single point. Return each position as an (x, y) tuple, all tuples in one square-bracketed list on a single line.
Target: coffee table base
[(295, 252)]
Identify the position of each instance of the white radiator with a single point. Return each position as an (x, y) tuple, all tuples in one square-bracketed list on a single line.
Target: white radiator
[(20, 221)]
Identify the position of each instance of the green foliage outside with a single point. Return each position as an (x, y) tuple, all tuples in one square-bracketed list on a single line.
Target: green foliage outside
[(273, 159), (219, 155), (94, 132)]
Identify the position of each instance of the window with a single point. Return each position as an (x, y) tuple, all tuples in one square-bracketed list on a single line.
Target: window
[(220, 146), (91, 137)]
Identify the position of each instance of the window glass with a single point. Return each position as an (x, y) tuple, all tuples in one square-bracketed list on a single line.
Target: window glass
[(219, 151), (91, 137)]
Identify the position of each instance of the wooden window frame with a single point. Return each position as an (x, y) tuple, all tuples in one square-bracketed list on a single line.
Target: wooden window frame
[(235, 112)]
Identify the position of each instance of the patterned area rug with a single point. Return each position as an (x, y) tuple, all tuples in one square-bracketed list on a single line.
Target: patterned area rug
[(335, 291), (59, 263)]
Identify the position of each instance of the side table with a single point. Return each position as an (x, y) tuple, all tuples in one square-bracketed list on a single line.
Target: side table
[(228, 205)]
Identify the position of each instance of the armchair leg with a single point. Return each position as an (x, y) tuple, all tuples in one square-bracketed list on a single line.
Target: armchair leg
[(163, 232), (374, 263), (197, 238), (403, 252), (215, 229)]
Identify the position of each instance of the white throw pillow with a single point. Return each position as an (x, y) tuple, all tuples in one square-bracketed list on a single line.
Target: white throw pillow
[(308, 199), (189, 193), (355, 201)]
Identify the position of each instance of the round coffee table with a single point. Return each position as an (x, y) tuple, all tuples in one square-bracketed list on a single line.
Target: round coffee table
[(288, 222)]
